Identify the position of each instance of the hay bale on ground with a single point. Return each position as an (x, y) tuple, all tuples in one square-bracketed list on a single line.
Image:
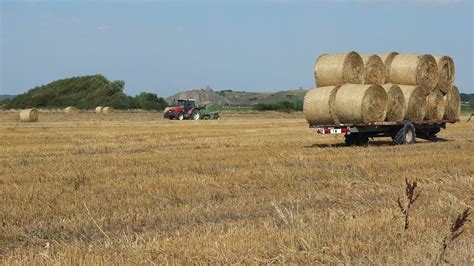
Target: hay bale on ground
[(434, 105), (374, 72), (107, 110), (452, 104), (29, 115), (409, 69), (318, 106), (70, 110), (396, 103), (387, 59), (445, 73), (360, 104), (337, 69), (415, 100), (98, 109)]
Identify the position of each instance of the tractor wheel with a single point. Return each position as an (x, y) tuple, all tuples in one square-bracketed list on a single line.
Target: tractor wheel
[(180, 116), (217, 117), (195, 115)]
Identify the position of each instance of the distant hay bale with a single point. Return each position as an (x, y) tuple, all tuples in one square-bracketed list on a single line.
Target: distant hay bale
[(452, 104), (70, 110), (338, 69), (98, 109), (387, 59), (396, 103), (415, 100), (318, 106), (434, 105), (446, 71), (29, 115), (374, 72), (360, 104), (409, 69), (107, 110)]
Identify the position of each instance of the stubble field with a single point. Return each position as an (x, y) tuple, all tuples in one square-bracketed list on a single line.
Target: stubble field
[(251, 188)]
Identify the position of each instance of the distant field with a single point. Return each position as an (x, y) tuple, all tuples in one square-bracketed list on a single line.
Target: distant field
[(252, 188)]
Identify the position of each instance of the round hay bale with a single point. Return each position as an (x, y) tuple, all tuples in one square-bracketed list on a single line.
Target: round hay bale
[(434, 105), (445, 73), (98, 109), (396, 103), (409, 69), (70, 110), (387, 59), (374, 72), (29, 115), (415, 100), (360, 104), (337, 69), (318, 106), (107, 110), (452, 104)]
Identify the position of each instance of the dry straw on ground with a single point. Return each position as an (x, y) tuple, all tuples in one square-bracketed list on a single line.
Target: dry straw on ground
[(357, 104), (434, 105), (446, 71), (107, 110), (387, 59), (409, 69), (415, 99), (374, 70), (70, 110), (98, 109), (452, 104), (319, 106), (396, 103), (337, 69), (29, 115)]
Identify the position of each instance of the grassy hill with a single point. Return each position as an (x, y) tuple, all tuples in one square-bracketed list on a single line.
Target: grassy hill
[(4, 97), (85, 92)]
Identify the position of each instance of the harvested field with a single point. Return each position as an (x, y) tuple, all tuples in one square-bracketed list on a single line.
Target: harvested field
[(131, 188)]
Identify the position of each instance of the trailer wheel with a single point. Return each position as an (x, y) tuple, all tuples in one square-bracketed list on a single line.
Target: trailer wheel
[(406, 134)]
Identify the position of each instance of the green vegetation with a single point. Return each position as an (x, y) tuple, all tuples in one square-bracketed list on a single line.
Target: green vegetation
[(284, 106), (4, 97), (84, 92), (467, 97)]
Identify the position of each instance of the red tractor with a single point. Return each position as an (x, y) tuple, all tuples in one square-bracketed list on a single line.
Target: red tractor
[(183, 109)]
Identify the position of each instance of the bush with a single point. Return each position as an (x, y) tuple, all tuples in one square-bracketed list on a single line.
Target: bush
[(284, 106)]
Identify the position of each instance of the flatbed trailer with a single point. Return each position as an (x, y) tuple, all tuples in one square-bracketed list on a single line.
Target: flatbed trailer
[(401, 132)]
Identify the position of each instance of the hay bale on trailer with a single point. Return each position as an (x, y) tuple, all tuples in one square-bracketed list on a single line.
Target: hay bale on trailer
[(337, 69), (98, 109), (409, 69), (29, 115), (396, 103), (415, 100), (360, 104), (107, 110), (387, 59), (434, 105), (318, 106), (445, 73), (452, 104), (374, 72), (70, 110)]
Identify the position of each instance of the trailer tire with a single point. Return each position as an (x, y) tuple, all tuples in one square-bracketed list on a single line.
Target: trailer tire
[(405, 135)]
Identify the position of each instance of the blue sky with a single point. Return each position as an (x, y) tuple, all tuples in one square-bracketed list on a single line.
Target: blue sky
[(168, 46)]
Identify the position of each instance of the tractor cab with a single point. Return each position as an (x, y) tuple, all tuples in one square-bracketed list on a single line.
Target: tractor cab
[(188, 104), (183, 109)]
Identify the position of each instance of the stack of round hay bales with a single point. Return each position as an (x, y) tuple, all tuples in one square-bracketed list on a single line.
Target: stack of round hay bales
[(415, 100), (70, 110), (360, 104), (396, 103), (374, 72), (445, 73), (434, 105), (107, 110), (338, 69), (387, 59), (409, 69), (98, 109), (318, 106), (29, 115), (452, 104)]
